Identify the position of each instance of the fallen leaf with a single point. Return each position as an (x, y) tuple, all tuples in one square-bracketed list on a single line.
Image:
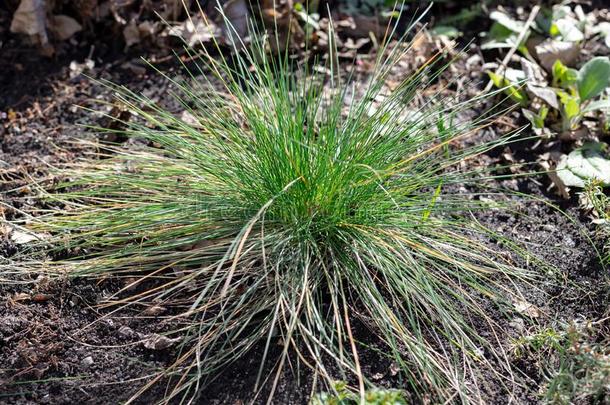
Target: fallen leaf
[(394, 369), (147, 29), (525, 308), (154, 341), (21, 297), (194, 32), (235, 22), (533, 72), (131, 33), (507, 21), (30, 19), (64, 27), (514, 75), (126, 331), (551, 50), (190, 119), (21, 238), (154, 310)]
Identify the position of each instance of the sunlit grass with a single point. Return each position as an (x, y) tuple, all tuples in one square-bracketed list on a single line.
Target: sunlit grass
[(296, 204)]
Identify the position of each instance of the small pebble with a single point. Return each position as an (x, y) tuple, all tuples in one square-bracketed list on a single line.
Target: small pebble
[(87, 361)]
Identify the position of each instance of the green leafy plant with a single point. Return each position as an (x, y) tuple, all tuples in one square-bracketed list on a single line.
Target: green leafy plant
[(373, 396), (544, 342), (560, 23), (579, 88), (573, 93), (536, 118), (509, 83), (505, 32), (577, 369), (564, 76), (590, 162), (563, 23), (600, 205), (285, 210), (580, 371)]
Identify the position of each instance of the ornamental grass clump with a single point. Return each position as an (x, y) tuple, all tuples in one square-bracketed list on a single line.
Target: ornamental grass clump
[(290, 205)]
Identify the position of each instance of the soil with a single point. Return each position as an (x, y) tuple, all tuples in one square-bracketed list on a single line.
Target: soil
[(58, 346)]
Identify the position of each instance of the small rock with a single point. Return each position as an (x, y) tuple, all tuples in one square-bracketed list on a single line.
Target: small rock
[(87, 361), (155, 341), (569, 242), (126, 331), (518, 324)]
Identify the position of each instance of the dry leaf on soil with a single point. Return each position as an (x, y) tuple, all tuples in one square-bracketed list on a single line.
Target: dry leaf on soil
[(63, 26), (551, 50), (30, 19)]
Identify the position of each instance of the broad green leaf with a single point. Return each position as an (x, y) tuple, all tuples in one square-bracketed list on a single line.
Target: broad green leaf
[(599, 105), (544, 20), (590, 162), (572, 107), (554, 30), (567, 177), (593, 77), (446, 31), (504, 33), (536, 119), (498, 32), (501, 37), (506, 21), (497, 80), (558, 69), (563, 76), (570, 104), (568, 30), (516, 93), (544, 111), (523, 49)]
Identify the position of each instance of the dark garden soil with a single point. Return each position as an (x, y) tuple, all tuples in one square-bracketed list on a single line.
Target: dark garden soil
[(58, 346)]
